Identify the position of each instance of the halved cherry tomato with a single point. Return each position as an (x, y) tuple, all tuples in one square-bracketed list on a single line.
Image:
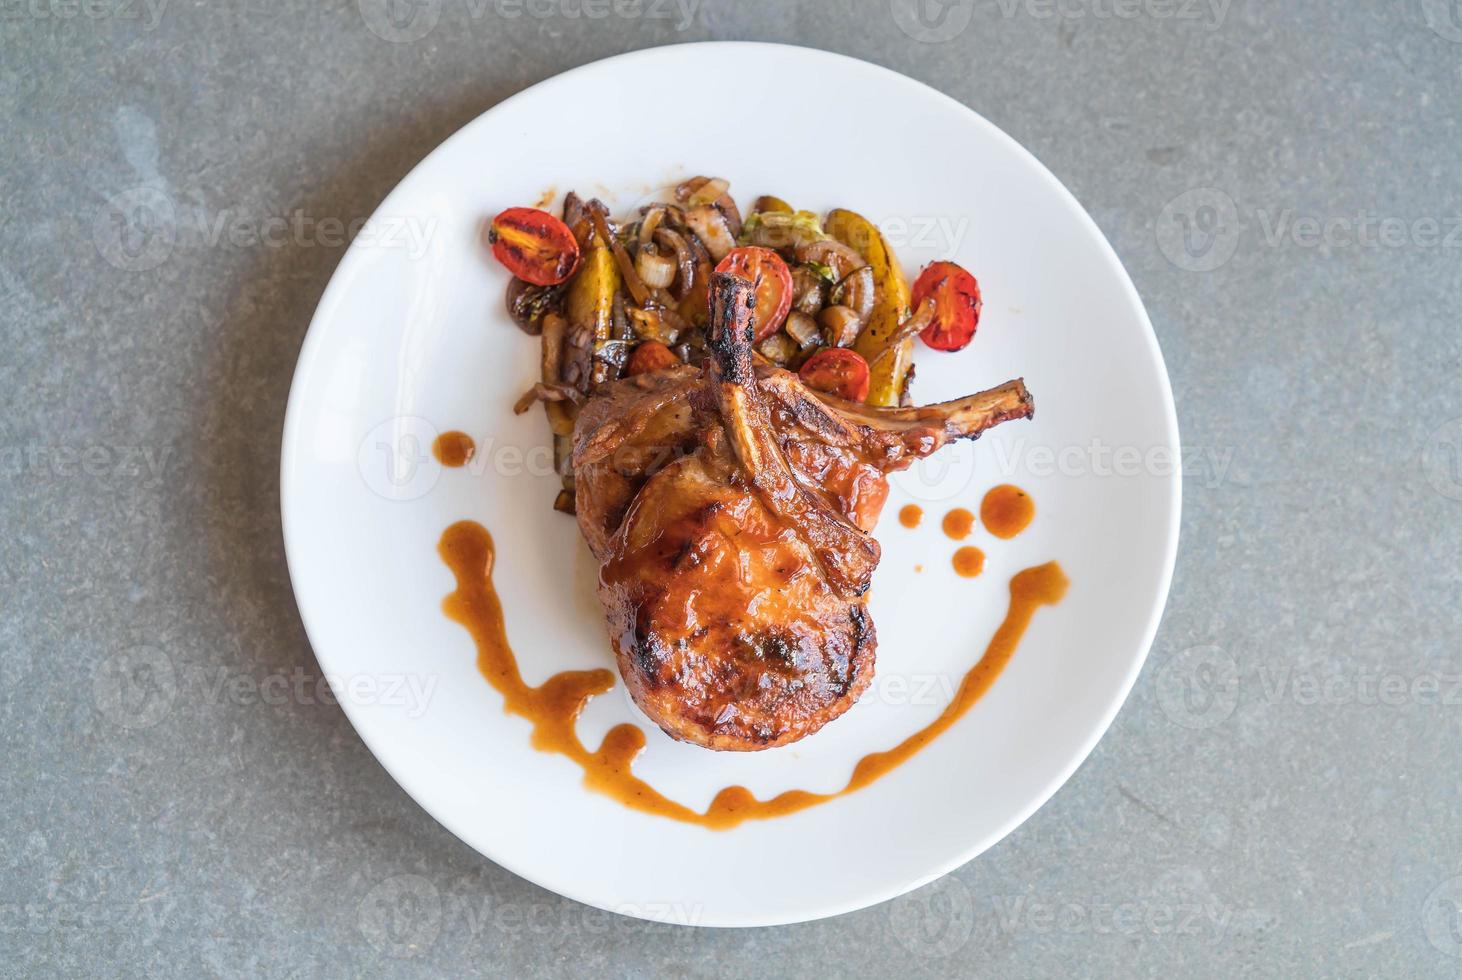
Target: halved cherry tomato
[(534, 245), (651, 355), (837, 371), (773, 285), (956, 305)]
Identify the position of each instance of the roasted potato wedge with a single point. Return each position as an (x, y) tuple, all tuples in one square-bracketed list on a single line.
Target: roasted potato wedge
[(590, 303), (891, 305)]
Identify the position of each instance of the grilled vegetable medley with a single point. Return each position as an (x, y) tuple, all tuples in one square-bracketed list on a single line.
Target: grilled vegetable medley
[(613, 299)]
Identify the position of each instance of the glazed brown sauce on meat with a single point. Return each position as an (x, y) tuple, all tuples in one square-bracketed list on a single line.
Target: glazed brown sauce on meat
[(969, 561), (453, 448), (958, 523), (553, 707), (910, 515), (1006, 511)]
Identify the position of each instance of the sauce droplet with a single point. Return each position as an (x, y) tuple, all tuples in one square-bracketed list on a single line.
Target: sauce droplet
[(1006, 511), (910, 515), (453, 448), (958, 523), (969, 561), (553, 707)]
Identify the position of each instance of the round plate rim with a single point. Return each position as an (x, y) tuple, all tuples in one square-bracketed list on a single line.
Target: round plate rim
[(309, 351)]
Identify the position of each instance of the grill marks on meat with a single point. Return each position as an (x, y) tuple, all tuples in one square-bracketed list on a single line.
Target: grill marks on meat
[(729, 508)]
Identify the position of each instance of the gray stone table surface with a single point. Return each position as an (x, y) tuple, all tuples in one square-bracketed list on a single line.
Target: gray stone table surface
[(1279, 797)]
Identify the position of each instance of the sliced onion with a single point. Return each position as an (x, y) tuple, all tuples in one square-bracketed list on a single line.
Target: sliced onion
[(778, 348), (653, 325), (684, 258), (809, 290), (672, 319), (803, 329), (710, 226), (732, 212), (856, 292), (832, 253), (840, 324), (653, 216), (656, 271), (709, 190), (541, 392)]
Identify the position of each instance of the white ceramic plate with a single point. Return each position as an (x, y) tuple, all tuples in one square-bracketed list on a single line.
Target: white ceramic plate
[(411, 339)]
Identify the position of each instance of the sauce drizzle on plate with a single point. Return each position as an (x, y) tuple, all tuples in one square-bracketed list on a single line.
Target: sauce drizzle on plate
[(453, 448), (969, 561), (1006, 510), (958, 523), (553, 707)]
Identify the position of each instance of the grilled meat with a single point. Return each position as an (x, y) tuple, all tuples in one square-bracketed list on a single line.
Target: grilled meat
[(730, 508)]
